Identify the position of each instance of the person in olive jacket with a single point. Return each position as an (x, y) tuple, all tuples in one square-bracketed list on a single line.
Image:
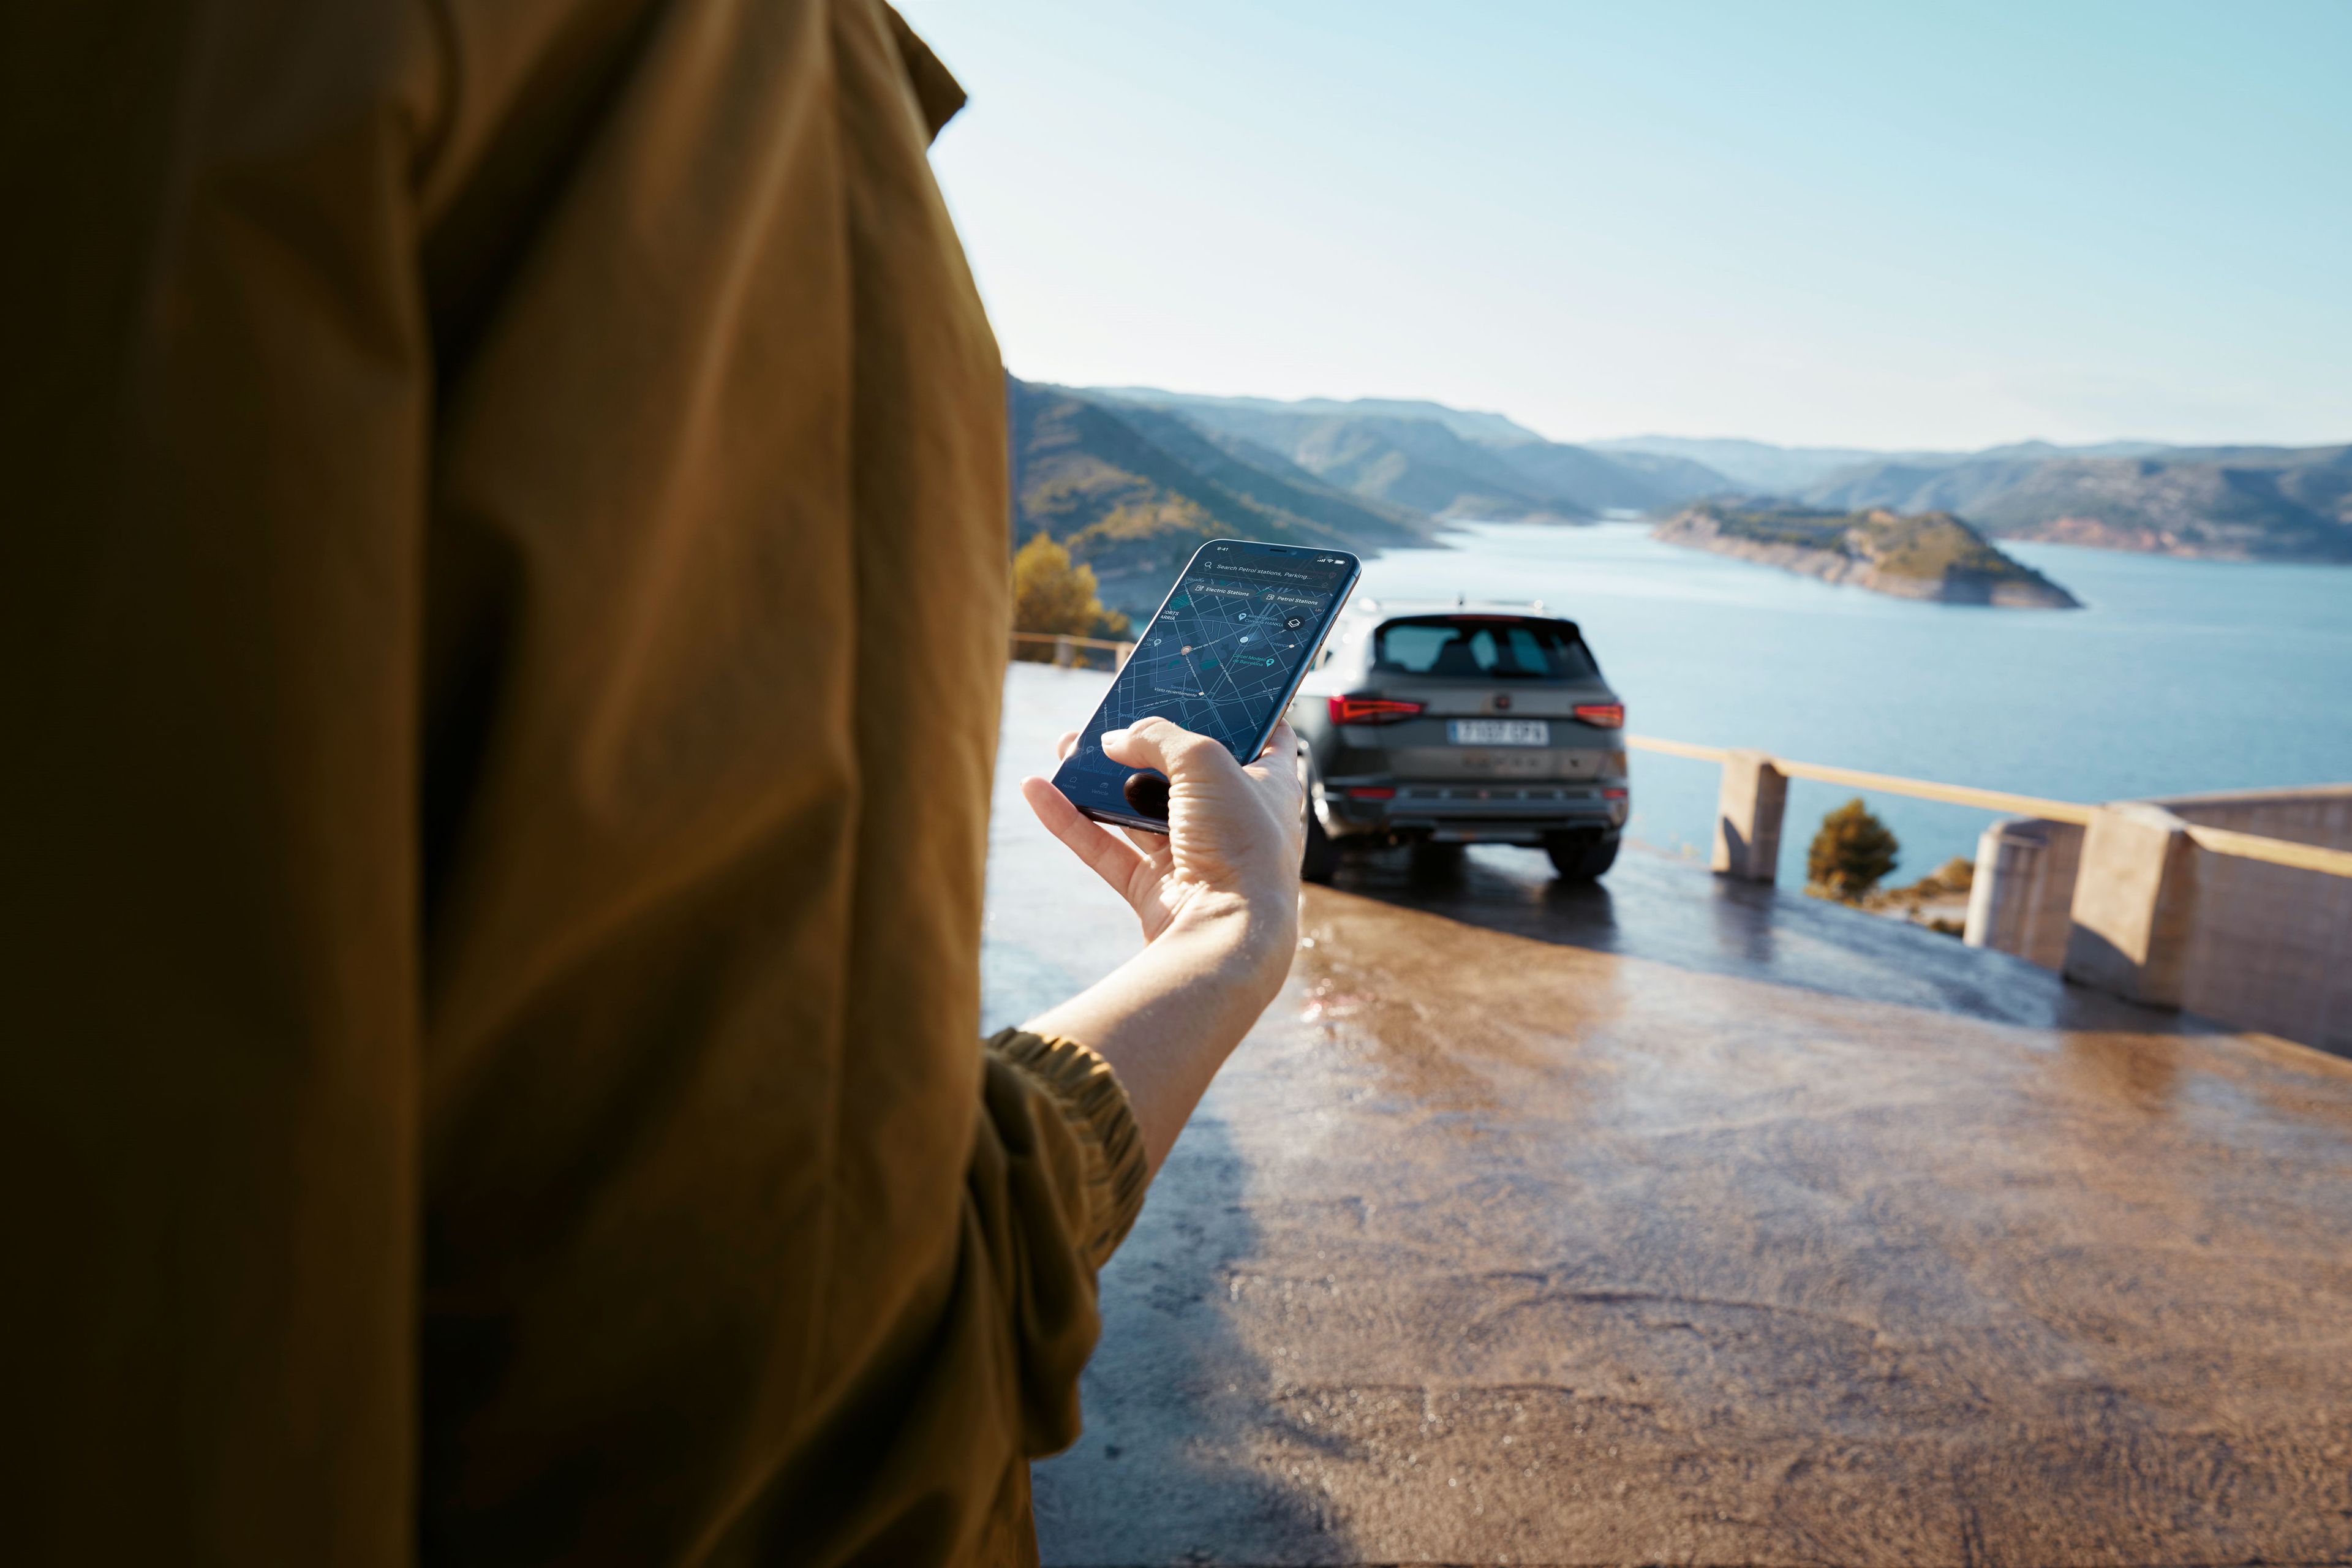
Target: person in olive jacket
[(507, 612)]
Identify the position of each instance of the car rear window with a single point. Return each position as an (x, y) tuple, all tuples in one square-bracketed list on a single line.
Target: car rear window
[(1484, 648)]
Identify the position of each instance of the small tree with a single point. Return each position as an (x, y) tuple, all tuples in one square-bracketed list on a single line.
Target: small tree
[(1851, 853), (1052, 595)]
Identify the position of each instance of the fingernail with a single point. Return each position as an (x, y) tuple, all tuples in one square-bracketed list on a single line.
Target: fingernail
[(1112, 737)]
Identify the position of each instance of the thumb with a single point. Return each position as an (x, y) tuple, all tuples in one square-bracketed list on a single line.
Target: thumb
[(1175, 751)]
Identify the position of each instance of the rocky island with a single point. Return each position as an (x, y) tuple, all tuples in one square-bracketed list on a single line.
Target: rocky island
[(1932, 555)]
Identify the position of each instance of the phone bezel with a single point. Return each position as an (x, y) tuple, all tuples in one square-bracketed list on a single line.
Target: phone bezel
[(1338, 606)]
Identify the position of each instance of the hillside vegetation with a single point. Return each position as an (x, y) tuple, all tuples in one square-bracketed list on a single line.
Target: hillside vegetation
[(1132, 492), (1931, 556)]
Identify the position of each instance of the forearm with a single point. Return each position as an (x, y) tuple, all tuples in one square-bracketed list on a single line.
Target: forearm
[(1167, 1018)]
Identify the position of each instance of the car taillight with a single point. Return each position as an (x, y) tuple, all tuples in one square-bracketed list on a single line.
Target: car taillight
[(1603, 715), (1371, 711), (1613, 794)]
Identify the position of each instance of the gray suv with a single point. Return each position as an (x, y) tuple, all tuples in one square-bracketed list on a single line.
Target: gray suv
[(1444, 724)]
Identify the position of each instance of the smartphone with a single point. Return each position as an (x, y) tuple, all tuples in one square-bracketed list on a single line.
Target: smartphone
[(1223, 657)]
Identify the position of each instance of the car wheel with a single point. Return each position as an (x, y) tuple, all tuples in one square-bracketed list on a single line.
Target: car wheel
[(1580, 859), (1436, 861), (1322, 858)]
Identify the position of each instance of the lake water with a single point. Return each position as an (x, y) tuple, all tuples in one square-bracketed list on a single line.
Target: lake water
[(2177, 677)]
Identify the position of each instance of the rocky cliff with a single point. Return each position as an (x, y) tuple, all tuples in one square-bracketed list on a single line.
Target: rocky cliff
[(1931, 556)]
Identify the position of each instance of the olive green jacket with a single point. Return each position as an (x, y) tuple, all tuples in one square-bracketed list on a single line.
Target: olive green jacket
[(506, 578)]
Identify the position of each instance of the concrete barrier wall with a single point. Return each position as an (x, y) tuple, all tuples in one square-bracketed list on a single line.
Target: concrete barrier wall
[(2270, 948), (2322, 817), (2242, 942)]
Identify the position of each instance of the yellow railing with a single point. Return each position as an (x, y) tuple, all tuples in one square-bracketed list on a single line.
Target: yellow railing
[(2277, 851), (1065, 647), (1885, 784), (1677, 749), (2219, 840)]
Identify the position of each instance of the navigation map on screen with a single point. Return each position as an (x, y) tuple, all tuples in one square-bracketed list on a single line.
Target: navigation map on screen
[(1222, 653)]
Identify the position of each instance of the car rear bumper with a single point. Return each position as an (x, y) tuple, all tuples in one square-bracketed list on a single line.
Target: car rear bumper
[(1480, 813)]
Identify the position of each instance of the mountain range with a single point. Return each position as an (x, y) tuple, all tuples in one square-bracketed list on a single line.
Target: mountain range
[(2228, 502), (1133, 491), (1133, 477), (1440, 462), (1792, 471)]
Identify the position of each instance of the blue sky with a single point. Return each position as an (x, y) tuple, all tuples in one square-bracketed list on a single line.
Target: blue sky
[(1889, 226)]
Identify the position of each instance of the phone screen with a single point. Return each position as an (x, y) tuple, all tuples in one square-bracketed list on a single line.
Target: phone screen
[(1220, 659)]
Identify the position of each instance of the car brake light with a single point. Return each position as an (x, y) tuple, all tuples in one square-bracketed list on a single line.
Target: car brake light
[(1370, 792), (1603, 715), (1613, 795), (1371, 711)]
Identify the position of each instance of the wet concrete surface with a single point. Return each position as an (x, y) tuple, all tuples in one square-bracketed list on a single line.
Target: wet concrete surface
[(1665, 1220)]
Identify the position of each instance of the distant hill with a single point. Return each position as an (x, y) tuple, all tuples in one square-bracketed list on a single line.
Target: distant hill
[(1750, 465), (1440, 460), (1471, 424), (1931, 556), (1919, 483), (1133, 491), (2230, 503), (1796, 471)]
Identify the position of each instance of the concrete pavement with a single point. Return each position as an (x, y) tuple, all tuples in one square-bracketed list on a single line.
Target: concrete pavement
[(1673, 1220)]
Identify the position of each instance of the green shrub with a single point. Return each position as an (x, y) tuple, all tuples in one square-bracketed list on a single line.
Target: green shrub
[(1850, 854)]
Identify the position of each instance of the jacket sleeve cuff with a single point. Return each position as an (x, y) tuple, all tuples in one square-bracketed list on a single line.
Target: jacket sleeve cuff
[(1095, 1107)]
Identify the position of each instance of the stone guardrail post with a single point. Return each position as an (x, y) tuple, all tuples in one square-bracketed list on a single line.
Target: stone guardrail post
[(1747, 810), (1065, 652), (2023, 898), (2134, 904)]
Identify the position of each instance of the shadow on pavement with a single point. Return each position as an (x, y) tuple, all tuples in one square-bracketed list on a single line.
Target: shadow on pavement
[(1674, 912), (1158, 1462)]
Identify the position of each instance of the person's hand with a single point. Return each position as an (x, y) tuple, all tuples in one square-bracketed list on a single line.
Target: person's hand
[(1234, 833), (1218, 898)]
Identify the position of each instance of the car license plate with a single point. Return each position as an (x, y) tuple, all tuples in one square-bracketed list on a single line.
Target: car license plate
[(1499, 732)]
